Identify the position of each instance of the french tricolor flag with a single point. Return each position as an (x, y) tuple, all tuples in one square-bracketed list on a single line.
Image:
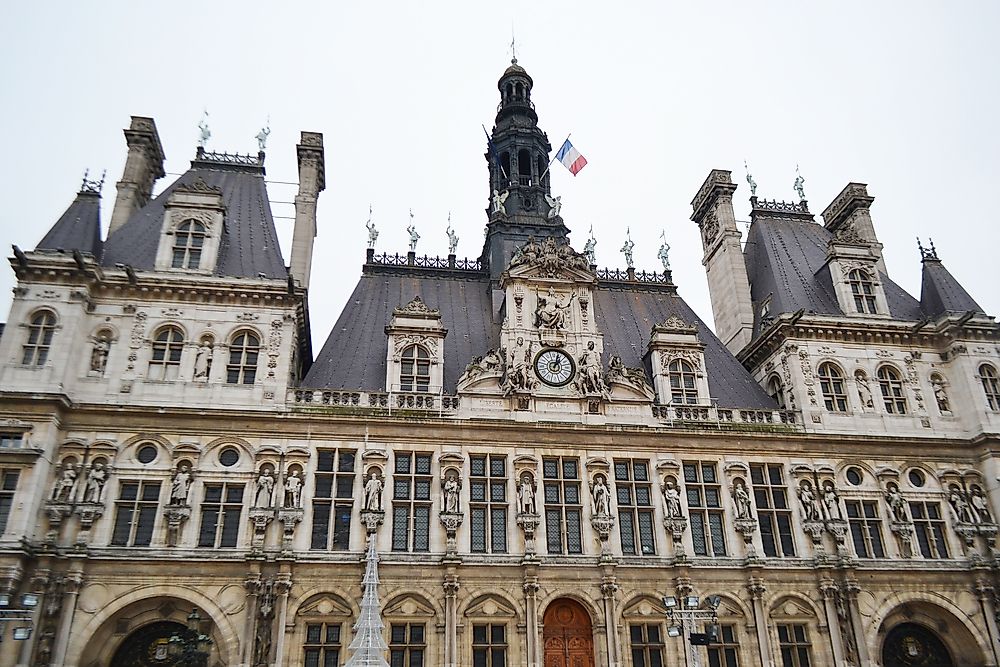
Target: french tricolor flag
[(571, 158)]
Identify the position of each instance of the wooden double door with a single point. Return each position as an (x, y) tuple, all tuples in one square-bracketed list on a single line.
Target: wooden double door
[(567, 635)]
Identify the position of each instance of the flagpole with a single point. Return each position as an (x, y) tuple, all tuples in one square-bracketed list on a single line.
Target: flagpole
[(542, 177)]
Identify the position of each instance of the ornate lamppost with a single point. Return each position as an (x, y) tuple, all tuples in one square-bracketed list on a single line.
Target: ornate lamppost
[(190, 648), (682, 613)]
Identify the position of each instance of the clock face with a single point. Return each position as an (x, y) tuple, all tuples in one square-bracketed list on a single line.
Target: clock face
[(554, 367)]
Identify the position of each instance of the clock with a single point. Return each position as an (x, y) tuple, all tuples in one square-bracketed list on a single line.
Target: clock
[(554, 367)]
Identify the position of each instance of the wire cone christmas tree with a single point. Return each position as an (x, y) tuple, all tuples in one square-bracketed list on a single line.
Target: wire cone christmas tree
[(368, 647)]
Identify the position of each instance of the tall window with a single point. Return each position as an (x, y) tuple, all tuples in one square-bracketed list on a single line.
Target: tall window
[(831, 383), (220, 515), (8, 485), (489, 645), (488, 503), (647, 645), (635, 507), (794, 645), (322, 647), (189, 238), (36, 350), (991, 386), (725, 652), (704, 500), (135, 514), (243, 353), (772, 509), (333, 501), (866, 528), (415, 369), (166, 359), (891, 385), (411, 502), (863, 291), (563, 507), (929, 526), (776, 391), (407, 645), (683, 389)]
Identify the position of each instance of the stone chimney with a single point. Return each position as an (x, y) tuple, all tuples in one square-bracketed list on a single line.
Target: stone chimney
[(312, 181), (143, 166)]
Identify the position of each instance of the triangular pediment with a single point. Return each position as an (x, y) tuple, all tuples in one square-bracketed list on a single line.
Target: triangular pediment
[(645, 606), (791, 608), (490, 606), (325, 604), (408, 605)]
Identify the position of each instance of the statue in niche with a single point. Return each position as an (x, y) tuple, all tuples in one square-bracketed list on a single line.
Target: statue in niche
[(373, 492), (499, 199), (450, 497), (62, 491), (864, 390), (93, 492), (550, 311), (555, 205), (602, 496), (526, 495), (807, 502), (831, 501), (672, 499), (180, 486), (263, 496), (99, 355), (959, 504), (591, 381), (894, 499), (741, 498), (293, 491), (940, 394), (203, 360), (980, 505)]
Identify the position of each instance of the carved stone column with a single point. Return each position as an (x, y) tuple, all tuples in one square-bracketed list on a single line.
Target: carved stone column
[(252, 585), (849, 592), (609, 587), (451, 586), (71, 591), (532, 644), (37, 586), (756, 589), (282, 586), (987, 603), (829, 590)]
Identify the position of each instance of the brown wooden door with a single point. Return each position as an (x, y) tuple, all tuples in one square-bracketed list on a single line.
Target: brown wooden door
[(568, 636)]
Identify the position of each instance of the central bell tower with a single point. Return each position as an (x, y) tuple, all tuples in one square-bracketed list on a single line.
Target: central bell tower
[(520, 197)]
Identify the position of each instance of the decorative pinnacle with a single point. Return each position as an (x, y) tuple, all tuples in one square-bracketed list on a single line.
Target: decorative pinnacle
[(92, 186), (927, 253)]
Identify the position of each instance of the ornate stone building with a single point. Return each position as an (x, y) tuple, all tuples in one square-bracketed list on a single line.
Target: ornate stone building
[(551, 458)]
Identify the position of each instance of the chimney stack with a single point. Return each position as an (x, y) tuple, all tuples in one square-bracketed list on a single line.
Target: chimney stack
[(312, 181), (143, 166)]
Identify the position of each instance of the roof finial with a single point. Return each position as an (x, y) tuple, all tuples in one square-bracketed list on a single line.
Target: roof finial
[(204, 134), (927, 253), (92, 186), (513, 44), (263, 134), (799, 182), (753, 183)]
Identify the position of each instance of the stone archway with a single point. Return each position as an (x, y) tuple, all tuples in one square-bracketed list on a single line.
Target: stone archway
[(567, 635), (913, 645)]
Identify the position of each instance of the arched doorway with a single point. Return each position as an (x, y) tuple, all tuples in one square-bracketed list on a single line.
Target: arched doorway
[(912, 645), (147, 645), (567, 636)]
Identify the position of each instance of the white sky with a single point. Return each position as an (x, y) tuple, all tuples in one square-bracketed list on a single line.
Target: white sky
[(900, 95)]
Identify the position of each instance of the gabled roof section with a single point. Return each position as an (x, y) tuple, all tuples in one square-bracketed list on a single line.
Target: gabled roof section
[(941, 293), (79, 228), (249, 245)]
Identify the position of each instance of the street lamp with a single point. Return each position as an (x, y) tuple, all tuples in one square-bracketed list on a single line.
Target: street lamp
[(683, 616), (190, 648), (22, 615)]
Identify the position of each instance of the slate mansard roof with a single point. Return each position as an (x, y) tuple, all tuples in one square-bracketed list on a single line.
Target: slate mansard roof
[(940, 293), (354, 356), (79, 228)]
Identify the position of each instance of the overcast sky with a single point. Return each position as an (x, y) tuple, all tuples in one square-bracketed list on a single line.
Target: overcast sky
[(900, 95)]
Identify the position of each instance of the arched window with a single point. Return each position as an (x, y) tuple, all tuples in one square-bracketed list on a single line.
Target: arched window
[(683, 389), (415, 369), (891, 385), (189, 237), (510, 91), (776, 391), (991, 386), (40, 330), (166, 359), (243, 352), (831, 383), (520, 91), (863, 291), (524, 167)]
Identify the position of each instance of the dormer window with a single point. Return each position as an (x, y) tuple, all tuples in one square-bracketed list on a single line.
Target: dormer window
[(683, 386), (189, 239), (414, 369), (863, 291), (35, 351)]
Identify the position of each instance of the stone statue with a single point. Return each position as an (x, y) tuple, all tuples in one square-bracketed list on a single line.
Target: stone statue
[(262, 136), (627, 249), (99, 355), (180, 485), (750, 181), (959, 504), (265, 489), (672, 498), (940, 394), (373, 493), (555, 205), (518, 369), (204, 134), (741, 498), (293, 490), (591, 381), (526, 496), (864, 390), (498, 201), (588, 248), (602, 497), (799, 184), (414, 237), (980, 504), (897, 506), (831, 501), (452, 238), (372, 232), (203, 361), (62, 491), (807, 502), (664, 254), (450, 499), (550, 311), (93, 492)]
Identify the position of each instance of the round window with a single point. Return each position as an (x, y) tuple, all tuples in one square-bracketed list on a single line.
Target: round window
[(229, 456), (916, 477), (854, 476), (146, 454)]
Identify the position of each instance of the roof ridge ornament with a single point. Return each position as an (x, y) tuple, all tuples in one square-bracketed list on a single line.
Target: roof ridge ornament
[(92, 187), (198, 185), (927, 253), (675, 324), (416, 306)]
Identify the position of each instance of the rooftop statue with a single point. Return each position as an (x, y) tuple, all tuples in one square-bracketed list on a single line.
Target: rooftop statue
[(799, 183), (588, 248), (555, 205), (372, 232), (204, 134), (664, 253), (627, 249), (452, 237), (498, 201), (414, 237), (753, 183), (262, 136)]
